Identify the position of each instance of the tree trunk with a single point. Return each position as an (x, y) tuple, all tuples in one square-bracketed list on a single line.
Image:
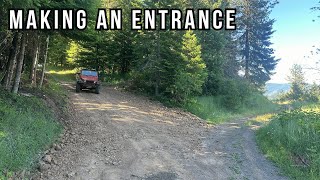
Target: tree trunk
[(12, 60), (247, 43), (35, 58), (19, 64), (44, 62), (159, 63), (247, 55)]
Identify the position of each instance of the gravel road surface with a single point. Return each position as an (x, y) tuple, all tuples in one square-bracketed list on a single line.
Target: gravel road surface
[(118, 135)]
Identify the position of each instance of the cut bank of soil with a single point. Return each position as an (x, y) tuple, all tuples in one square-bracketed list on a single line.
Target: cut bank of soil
[(118, 135)]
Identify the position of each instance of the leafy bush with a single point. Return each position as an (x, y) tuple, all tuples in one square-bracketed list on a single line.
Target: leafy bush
[(292, 140), (236, 94)]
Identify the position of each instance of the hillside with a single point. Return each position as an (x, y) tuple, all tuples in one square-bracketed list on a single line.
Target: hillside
[(274, 89)]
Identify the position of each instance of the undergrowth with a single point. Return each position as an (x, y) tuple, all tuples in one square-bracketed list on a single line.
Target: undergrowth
[(292, 140), (27, 127), (212, 108)]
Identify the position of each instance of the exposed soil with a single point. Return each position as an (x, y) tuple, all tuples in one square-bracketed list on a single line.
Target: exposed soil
[(118, 135)]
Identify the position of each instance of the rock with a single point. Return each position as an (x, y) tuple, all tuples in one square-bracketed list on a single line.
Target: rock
[(70, 175), (47, 159), (43, 166), (52, 151), (54, 162), (57, 148)]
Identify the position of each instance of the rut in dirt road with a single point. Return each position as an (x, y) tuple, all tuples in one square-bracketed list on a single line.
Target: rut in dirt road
[(118, 135)]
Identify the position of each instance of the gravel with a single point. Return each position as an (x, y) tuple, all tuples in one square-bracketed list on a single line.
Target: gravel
[(118, 135)]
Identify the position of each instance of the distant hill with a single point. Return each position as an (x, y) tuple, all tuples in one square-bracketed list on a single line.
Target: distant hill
[(274, 89)]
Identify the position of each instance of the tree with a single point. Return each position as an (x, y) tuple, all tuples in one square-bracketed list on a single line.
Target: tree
[(10, 41), (313, 93), (158, 54), (34, 56), (45, 57), (255, 31), (192, 72), (12, 58), (298, 84), (19, 64), (58, 50)]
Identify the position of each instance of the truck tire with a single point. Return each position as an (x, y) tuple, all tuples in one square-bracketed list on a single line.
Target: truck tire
[(78, 88), (97, 89)]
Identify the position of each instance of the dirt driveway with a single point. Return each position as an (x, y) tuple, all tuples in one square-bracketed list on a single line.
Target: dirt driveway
[(118, 135)]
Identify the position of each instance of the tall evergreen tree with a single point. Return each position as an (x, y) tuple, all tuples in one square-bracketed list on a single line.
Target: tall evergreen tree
[(255, 31), (214, 45), (158, 53), (192, 72), (298, 84)]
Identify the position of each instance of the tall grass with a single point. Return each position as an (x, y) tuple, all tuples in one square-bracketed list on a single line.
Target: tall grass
[(27, 127), (212, 109), (292, 140), (65, 75)]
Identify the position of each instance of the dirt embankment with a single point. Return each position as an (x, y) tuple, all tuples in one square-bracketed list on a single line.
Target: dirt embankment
[(117, 135)]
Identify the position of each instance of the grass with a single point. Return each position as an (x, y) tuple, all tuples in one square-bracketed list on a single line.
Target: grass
[(62, 75), (211, 108), (68, 75), (27, 127), (292, 141)]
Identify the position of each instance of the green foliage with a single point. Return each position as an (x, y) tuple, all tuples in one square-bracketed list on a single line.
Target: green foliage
[(300, 90), (255, 31), (59, 74), (313, 93), (191, 75), (298, 84), (291, 139), (216, 53), (214, 110), (233, 97), (27, 127), (58, 50), (173, 65)]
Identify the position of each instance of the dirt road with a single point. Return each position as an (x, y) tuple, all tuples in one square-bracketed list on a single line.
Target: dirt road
[(117, 135)]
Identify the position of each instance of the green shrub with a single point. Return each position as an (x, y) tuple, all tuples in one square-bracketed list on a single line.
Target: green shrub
[(232, 98), (237, 94), (292, 140)]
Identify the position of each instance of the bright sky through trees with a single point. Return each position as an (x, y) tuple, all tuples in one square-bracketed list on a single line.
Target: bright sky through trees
[(296, 34)]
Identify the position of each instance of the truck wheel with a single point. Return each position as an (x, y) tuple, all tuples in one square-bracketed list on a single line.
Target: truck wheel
[(97, 90), (78, 88)]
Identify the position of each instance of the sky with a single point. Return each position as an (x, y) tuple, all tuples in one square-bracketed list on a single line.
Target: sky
[(296, 34)]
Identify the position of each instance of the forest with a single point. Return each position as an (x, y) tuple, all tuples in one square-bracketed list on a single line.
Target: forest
[(172, 65), (218, 75)]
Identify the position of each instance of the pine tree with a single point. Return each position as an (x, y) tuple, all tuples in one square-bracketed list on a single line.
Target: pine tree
[(158, 54), (218, 51), (298, 84), (192, 72), (255, 29)]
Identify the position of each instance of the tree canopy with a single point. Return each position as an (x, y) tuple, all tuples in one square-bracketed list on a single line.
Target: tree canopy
[(171, 64)]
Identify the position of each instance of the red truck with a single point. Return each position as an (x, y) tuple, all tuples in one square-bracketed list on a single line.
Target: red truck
[(88, 79)]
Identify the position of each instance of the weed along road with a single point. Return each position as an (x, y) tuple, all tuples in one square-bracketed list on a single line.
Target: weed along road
[(118, 135)]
